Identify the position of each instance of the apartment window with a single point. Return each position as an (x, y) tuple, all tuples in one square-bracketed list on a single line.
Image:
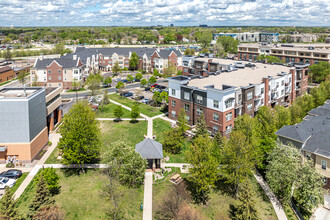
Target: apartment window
[(229, 103), (323, 164), (199, 111), (173, 92), (229, 116), (65, 78), (199, 99), (282, 92), (262, 91), (50, 78), (215, 116), (59, 71), (277, 84), (186, 95), (215, 129), (282, 83), (308, 156), (289, 80), (228, 129), (187, 117), (324, 180), (186, 107), (49, 71), (45, 78), (249, 95), (173, 114), (173, 103), (64, 71), (249, 107), (59, 78), (215, 104)]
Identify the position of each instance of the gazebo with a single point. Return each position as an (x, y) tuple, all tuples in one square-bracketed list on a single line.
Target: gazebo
[(152, 151)]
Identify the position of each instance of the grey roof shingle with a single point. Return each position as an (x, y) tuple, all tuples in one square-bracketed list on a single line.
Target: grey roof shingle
[(319, 143), (150, 149), (65, 62)]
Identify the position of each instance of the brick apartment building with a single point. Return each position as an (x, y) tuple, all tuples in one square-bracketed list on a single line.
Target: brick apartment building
[(6, 74), (250, 37), (288, 53), (224, 89)]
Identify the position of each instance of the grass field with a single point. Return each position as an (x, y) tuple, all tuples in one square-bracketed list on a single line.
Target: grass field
[(108, 112), (159, 127), (144, 109), (18, 182), (52, 159), (81, 197)]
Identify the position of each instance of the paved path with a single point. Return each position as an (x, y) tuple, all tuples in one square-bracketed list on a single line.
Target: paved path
[(87, 166), (54, 139), (150, 128), (122, 119), (273, 199), (147, 201), (167, 119)]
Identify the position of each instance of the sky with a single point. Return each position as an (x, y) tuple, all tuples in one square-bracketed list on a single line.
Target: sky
[(164, 12)]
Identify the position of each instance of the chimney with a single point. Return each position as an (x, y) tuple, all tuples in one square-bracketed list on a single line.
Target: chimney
[(41, 58), (74, 57)]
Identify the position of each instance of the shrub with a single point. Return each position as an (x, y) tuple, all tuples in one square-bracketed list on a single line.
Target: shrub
[(10, 165)]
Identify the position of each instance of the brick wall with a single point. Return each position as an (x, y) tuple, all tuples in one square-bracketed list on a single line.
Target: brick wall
[(56, 77)]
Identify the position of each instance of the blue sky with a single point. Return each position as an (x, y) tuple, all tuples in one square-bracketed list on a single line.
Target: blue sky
[(164, 12)]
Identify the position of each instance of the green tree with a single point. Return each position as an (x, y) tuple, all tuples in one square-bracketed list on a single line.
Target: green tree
[(8, 55), (219, 141), (170, 70), (204, 167), (8, 209), (134, 61), (130, 78), (116, 68), (138, 76), (106, 99), (42, 197), (205, 38), (182, 121), (156, 98), (238, 159), (52, 180), (130, 164), (143, 82), (93, 82), (107, 80), (173, 141), (248, 208), (135, 113), (152, 80), (156, 73), (282, 116), (120, 85), (118, 112), (201, 128), (80, 142), (22, 77), (164, 97), (228, 44), (319, 72)]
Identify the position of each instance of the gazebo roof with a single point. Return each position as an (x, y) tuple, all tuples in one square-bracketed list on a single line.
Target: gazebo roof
[(150, 149)]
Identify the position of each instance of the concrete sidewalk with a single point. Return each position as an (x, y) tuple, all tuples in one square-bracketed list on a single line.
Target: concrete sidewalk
[(122, 119), (150, 128), (147, 201), (273, 199)]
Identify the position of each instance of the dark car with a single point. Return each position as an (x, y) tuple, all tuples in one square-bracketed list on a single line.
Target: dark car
[(124, 80), (12, 173), (147, 89), (106, 85), (128, 94), (139, 97)]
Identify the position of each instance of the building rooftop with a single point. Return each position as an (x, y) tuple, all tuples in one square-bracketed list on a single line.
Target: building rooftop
[(292, 47), (18, 92), (150, 149), (239, 77)]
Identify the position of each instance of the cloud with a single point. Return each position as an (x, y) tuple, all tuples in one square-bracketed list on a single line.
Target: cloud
[(153, 12)]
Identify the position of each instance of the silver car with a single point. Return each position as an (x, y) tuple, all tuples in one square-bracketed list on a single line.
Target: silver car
[(4, 181)]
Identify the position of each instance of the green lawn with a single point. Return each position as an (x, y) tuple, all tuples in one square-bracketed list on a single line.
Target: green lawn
[(81, 197), (18, 182), (52, 159), (108, 112), (218, 206), (159, 127), (289, 212), (144, 109)]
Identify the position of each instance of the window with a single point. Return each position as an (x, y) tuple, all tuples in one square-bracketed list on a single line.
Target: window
[(262, 91), (249, 95), (308, 156), (59, 71), (215, 129), (282, 83), (215, 104), (282, 92), (186, 95), (187, 117), (173, 92), (199, 99), (173, 114), (50, 78), (229, 116), (173, 103), (59, 78), (186, 107), (49, 71), (277, 84), (249, 107), (228, 129), (215, 116), (324, 180), (324, 164), (199, 111), (229, 103)]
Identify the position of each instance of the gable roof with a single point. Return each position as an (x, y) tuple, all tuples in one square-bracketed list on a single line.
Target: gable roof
[(319, 143), (65, 62), (150, 149)]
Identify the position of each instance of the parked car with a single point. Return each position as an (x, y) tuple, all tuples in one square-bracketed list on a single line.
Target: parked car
[(129, 94), (139, 97), (118, 79), (147, 89), (12, 174), (5, 181), (124, 80), (162, 87), (146, 100), (106, 85), (154, 85)]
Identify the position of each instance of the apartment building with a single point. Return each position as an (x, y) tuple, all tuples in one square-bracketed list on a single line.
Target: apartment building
[(27, 115), (288, 53), (60, 72), (224, 89), (303, 38), (6, 74), (311, 137), (250, 37)]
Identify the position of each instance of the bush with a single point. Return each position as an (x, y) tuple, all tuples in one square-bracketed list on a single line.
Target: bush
[(10, 165), (52, 180), (49, 143)]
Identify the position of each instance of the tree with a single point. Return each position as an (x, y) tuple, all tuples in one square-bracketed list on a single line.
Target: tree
[(107, 81), (130, 78), (52, 180), (34, 80), (22, 78), (93, 82), (205, 38), (238, 159), (8, 209), (282, 116), (152, 80), (49, 212), (116, 68), (105, 99), (228, 44), (143, 82), (170, 70), (8, 54), (156, 73), (219, 141), (156, 98), (219, 51), (189, 51), (135, 113), (80, 142), (138, 76), (269, 58), (248, 209), (204, 167), (130, 164), (42, 197), (118, 112), (134, 61), (201, 128), (173, 141), (120, 85), (182, 121), (282, 170), (164, 97), (319, 72)]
